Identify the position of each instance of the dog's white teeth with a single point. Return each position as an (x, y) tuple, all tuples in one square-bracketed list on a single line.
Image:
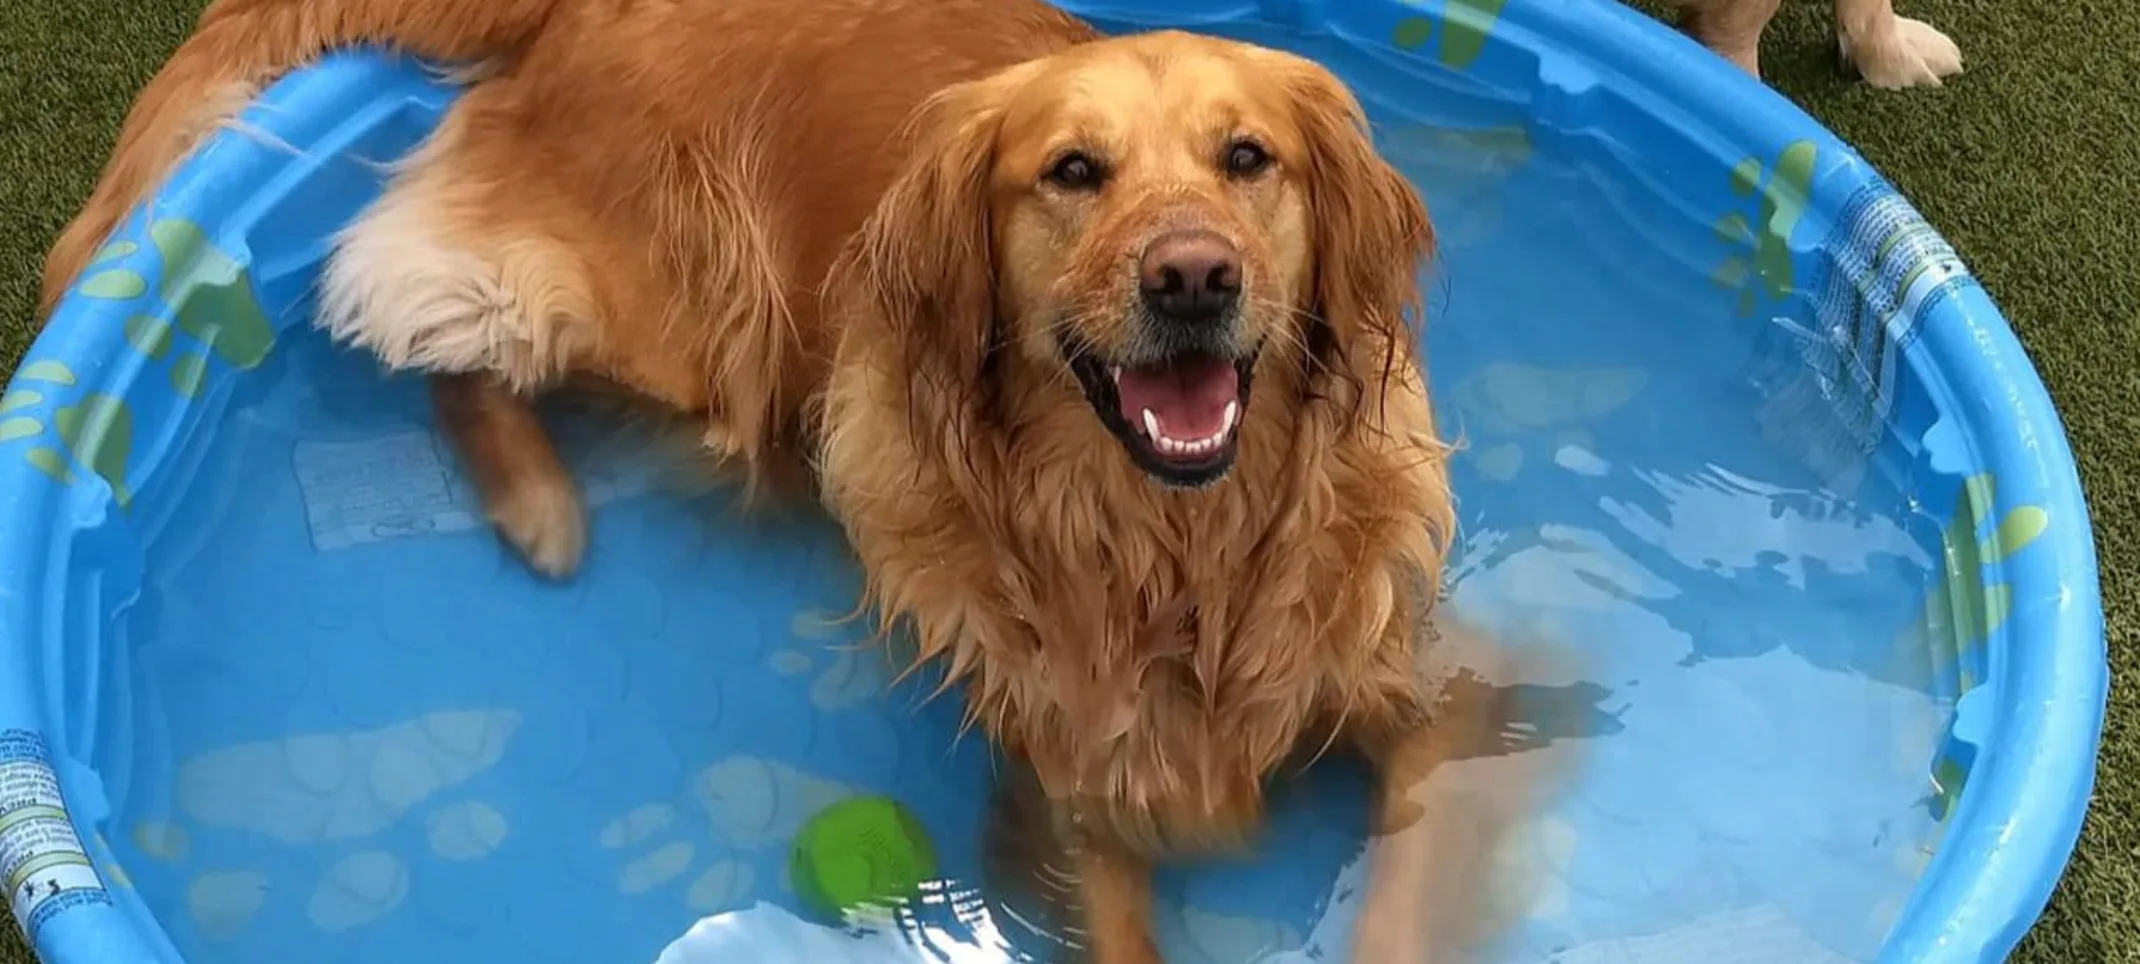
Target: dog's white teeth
[(1115, 372), (1173, 446)]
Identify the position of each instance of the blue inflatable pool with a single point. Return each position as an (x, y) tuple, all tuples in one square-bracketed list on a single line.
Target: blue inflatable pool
[(1741, 433)]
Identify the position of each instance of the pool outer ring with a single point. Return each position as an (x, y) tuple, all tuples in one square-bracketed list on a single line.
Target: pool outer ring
[(2016, 825)]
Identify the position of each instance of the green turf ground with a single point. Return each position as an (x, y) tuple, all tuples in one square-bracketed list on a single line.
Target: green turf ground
[(1999, 161)]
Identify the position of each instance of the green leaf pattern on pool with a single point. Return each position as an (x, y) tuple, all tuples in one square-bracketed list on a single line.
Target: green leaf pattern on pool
[(1761, 264), (200, 290), (1462, 29)]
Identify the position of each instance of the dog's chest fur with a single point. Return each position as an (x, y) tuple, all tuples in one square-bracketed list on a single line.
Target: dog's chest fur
[(1178, 649)]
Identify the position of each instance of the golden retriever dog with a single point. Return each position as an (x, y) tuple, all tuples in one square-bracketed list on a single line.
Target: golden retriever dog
[(1101, 350), (1886, 50)]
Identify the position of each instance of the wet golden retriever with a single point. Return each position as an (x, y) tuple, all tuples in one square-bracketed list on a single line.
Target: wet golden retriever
[(1100, 350)]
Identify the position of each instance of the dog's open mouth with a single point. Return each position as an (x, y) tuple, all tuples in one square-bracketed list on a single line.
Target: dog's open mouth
[(1180, 419)]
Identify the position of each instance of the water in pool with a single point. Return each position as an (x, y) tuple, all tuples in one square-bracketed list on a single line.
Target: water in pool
[(341, 724)]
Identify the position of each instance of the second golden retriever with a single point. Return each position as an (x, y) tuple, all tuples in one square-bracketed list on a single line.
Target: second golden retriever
[(1102, 351)]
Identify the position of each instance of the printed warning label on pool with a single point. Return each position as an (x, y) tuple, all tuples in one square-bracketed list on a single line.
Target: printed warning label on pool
[(41, 859)]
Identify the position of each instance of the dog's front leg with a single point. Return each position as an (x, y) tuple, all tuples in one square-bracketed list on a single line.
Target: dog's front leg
[(1452, 787), (1117, 898), (1402, 915)]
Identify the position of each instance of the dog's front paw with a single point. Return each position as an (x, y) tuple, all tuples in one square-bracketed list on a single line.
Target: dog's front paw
[(1904, 53), (542, 517)]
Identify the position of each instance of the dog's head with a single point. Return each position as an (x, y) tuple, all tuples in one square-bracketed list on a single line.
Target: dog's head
[(1149, 222)]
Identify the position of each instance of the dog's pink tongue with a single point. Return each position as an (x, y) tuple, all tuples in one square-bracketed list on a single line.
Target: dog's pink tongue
[(1188, 395)]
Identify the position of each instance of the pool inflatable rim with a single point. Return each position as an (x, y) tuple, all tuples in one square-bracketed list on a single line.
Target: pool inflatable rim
[(2005, 847)]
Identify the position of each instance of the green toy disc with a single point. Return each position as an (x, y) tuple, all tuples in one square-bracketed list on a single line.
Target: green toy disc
[(860, 852)]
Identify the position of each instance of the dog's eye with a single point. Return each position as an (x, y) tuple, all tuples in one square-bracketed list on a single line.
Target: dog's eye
[(1077, 172), (1246, 159)]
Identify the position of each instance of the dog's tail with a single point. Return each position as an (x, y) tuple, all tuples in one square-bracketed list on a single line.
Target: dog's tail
[(238, 47)]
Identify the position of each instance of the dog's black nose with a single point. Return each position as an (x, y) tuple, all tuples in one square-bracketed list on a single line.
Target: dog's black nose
[(1192, 276)]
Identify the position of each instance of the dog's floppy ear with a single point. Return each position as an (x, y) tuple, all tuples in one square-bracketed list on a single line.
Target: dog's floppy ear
[(920, 275), (1370, 232)]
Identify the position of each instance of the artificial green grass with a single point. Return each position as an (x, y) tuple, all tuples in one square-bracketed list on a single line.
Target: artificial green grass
[(2000, 161)]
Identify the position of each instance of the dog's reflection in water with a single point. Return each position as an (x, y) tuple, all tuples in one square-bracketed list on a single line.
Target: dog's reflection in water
[(1439, 884)]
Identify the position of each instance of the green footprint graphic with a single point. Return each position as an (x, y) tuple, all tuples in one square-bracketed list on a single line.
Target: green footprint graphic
[(722, 884), (203, 292), (98, 430), (116, 249), (750, 805), (336, 792), (1465, 25), (1763, 267), (850, 668), (1965, 607), (205, 288), (1964, 603), (1412, 32), (19, 426)]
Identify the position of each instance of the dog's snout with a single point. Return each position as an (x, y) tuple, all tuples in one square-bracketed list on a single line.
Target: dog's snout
[(1190, 276)]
